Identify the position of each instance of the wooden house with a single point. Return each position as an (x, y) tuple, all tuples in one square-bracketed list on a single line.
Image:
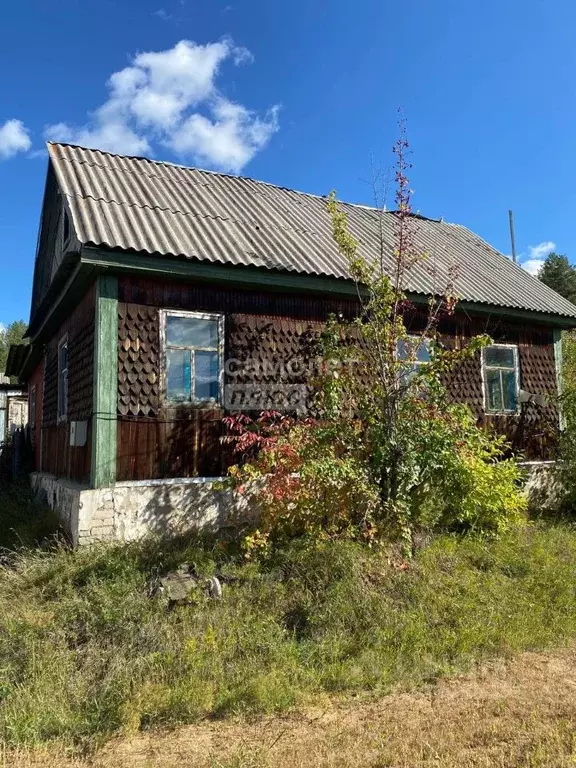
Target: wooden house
[(163, 294)]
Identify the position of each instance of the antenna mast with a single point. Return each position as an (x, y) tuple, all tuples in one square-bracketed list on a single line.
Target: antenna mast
[(512, 238)]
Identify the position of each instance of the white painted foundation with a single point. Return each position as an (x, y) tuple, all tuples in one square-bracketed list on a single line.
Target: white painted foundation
[(128, 511)]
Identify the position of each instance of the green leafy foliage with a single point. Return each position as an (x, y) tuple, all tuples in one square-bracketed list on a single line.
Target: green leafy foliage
[(566, 470), (559, 274), (86, 651), (12, 334), (387, 454)]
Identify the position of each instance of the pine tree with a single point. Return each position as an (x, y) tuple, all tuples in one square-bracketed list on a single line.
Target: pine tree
[(12, 334), (559, 274)]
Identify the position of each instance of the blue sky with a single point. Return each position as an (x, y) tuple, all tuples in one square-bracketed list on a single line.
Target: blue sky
[(300, 94)]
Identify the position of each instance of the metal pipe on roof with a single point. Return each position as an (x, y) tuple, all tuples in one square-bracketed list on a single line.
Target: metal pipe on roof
[(512, 238)]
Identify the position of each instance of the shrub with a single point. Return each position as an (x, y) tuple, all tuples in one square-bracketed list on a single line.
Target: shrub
[(319, 477)]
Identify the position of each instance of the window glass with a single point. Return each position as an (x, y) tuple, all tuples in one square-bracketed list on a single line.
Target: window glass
[(416, 352), (509, 390), (414, 349), (501, 378), (178, 378), (502, 357), (192, 358), (494, 390), (191, 332), (206, 375)]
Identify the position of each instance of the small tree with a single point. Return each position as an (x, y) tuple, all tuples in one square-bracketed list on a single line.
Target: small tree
[(418, 442), (560, 275), (386, 453)]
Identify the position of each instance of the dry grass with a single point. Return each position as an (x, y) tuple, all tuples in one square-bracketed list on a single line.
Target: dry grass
[(516, 713)]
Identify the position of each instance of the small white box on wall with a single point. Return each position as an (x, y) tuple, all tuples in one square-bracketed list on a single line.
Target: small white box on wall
[(78, 433)]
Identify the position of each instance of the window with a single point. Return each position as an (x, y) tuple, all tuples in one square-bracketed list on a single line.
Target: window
[(32, 407), (193, 357), (416, 352), (501, 378), (63, 379)]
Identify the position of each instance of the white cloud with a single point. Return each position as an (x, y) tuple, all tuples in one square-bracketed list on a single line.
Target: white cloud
[(242, 56), (110, 135), (532, 265), (14, 138), (163, 14), (533, 260), (230, 140), (171, 98), (541, 250)]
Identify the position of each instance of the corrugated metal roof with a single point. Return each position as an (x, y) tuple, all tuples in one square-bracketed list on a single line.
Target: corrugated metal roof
[(153, 207)]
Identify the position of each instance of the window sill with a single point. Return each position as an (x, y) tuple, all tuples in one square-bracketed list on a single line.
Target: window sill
[(200, 405)]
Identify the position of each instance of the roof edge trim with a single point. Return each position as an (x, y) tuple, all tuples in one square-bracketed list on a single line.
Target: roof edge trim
[(164, 266)]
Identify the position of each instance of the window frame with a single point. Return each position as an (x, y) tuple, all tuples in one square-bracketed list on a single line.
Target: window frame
[(62, 415), (484, 370), (219, 349), (32, 407), (406, 375)]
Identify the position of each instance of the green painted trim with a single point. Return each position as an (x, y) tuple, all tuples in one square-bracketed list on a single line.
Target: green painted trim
[(537, 318), (105, 392), (75, 288), (165, 266), (46, 311), (252, 277), (558, 361)]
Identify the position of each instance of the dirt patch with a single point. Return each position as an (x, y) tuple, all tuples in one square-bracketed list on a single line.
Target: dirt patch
[(513, 713)]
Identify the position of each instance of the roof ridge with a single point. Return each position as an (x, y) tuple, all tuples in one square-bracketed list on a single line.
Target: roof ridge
[(168, 163), (158, 207)]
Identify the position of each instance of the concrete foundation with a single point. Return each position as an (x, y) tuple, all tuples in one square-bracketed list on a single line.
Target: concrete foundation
[(128, 511), (542, 486)]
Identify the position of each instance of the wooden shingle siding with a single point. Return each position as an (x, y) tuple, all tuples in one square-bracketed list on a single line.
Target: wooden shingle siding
[(138, 360), (535, 434), (58, 457), (157, 441)]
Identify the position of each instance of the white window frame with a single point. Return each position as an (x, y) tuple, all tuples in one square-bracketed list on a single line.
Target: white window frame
[(32, 407), (63, 413), (418, 341), (193, 402), (485, 368)]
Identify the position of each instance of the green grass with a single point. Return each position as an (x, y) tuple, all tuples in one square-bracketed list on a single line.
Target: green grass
[(85, 652), (23, 522)]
